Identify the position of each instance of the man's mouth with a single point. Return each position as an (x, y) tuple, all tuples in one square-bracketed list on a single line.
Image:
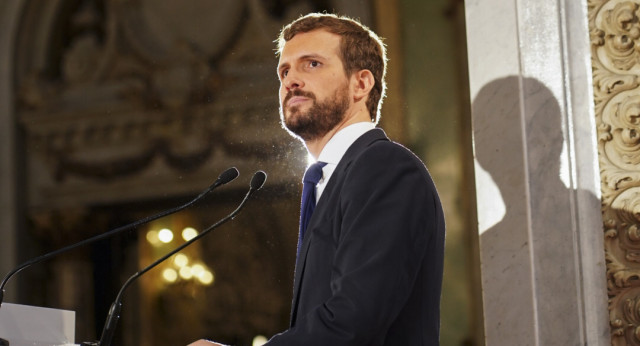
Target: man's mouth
[(297, 97), (296, 100)]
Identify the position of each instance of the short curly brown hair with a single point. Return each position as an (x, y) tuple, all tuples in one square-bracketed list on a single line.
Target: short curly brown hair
[(360, 49)]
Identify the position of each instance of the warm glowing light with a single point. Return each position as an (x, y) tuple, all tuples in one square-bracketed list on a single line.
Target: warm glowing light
[(152, 237), (189, 233), (206, 277), (170, 275), (197, 269), (181, 260), (185, 273), (165, 235), (259, 340)]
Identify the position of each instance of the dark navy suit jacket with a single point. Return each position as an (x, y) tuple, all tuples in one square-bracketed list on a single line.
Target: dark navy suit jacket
[(370, 267)]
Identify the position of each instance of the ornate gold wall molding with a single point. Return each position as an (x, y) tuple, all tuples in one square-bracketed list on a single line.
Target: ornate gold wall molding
[(615, 39)]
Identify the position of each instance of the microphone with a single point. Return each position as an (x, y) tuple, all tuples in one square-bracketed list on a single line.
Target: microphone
[(224, 178), (114, 312)]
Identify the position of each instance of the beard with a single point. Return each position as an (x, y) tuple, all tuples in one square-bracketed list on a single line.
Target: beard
[(319, 119)]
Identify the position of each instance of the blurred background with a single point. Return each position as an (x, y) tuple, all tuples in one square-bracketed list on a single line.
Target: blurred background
[(115, 110)]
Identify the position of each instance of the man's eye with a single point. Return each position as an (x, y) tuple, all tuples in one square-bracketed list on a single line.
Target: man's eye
[(314, 63), (285, 73)]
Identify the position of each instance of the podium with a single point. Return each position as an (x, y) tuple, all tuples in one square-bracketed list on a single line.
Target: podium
[(24, 325)]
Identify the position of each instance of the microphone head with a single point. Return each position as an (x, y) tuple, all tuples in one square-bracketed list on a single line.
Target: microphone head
[(228, 175), (258, 180)]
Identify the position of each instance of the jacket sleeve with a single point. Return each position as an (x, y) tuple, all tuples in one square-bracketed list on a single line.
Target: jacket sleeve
[(389, 210)]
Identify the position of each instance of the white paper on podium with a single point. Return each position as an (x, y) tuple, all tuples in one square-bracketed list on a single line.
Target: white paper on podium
[(24, 325)]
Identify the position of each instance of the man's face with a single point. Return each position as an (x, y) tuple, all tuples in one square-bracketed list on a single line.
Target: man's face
[(314, 91)]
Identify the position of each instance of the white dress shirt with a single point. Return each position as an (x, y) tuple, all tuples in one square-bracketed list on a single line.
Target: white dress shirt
[(334, 150)]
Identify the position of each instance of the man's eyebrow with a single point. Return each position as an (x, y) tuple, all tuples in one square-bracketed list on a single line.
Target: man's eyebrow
[(311, 56), (302, 58), (283, 65)]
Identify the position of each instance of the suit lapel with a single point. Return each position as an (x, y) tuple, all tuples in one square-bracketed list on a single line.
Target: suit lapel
[(354, 150)]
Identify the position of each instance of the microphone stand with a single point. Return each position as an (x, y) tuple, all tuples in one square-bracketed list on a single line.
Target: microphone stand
[(114, 312), (224, 178)]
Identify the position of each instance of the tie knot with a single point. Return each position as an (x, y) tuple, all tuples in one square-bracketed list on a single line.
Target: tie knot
[(314, 173)]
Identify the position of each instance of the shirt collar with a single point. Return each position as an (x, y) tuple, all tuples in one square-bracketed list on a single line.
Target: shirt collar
[(342, 140)]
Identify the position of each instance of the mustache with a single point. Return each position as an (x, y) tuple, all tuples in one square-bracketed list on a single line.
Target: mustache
[(298, 92)]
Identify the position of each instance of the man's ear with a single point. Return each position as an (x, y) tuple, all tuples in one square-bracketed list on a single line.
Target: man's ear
[(363, 82)]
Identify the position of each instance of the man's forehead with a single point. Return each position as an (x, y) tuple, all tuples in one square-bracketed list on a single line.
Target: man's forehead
[(318, 41)]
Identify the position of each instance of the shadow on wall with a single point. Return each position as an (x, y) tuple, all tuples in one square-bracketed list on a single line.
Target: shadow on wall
[(527, 239)]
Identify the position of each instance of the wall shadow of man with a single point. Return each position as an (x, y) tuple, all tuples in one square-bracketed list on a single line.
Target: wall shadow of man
[(530, 256)]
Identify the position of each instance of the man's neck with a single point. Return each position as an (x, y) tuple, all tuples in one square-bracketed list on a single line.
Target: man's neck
[(315, 146)]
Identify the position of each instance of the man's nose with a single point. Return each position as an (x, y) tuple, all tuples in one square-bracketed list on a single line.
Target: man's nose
[(293, 81)]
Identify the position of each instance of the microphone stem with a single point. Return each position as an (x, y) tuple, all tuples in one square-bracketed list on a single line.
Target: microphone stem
[(103, 236), (110, 323), (114, 312)]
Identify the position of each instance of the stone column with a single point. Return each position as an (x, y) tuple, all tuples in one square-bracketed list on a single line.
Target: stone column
[(537, 175)]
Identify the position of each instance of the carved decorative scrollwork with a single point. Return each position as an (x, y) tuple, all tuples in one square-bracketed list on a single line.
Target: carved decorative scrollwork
[(624, 314), (615, 47), (622, 45)]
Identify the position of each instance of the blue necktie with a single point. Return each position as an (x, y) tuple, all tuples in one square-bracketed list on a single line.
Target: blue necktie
[(311, 178)]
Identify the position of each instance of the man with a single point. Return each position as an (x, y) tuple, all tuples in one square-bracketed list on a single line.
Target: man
[(369, 265)]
